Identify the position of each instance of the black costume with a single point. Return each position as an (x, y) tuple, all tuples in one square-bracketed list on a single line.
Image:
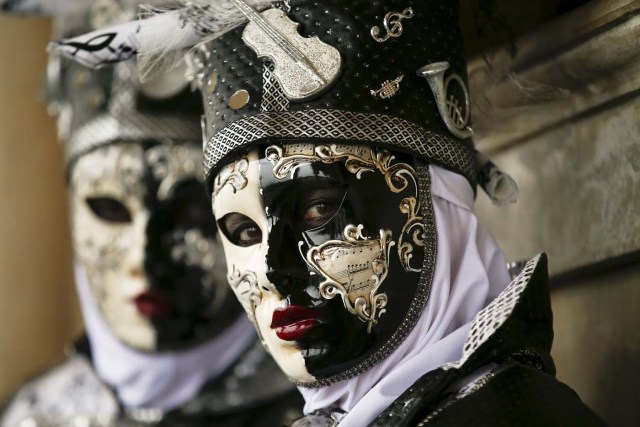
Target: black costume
[(517, 384)]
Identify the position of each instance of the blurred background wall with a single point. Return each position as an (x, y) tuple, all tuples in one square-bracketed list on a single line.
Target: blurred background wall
[(38, 311), (562, 115)]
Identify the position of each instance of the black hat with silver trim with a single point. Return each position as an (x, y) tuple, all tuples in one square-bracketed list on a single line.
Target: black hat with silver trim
[(355, 75), (386, 73)]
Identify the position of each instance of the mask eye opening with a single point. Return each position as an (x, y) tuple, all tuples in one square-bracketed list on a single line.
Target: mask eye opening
[(109, 209), (240, 230)]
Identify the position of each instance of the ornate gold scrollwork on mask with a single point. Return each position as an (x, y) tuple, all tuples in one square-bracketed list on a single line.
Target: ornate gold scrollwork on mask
[(245, 286), (354, 268), (414, 228), (359, 159), (234, 174), (286, 159)]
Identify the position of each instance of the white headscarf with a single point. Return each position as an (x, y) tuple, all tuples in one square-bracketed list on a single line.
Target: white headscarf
[(157, 380), (470, 273)]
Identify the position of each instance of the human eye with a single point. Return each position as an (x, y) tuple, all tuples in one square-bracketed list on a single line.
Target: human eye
[(240, 229), (109, 209), (318, 206)]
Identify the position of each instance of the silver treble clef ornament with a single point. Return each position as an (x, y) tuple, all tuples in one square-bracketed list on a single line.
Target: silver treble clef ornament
[(393, 24)]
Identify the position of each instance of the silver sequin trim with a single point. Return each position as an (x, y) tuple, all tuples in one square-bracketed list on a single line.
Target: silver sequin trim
[(69, 395), (465, 391), (107, 129), (344, 127)]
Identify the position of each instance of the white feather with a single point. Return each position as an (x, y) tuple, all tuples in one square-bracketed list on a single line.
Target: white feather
[(166, 32)]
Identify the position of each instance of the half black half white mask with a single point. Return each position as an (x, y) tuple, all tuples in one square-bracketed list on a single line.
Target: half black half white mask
[(141, 220), (143, 231), (326, 246)]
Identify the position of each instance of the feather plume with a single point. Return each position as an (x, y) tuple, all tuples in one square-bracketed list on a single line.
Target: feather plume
[(159, 38), (161, 44), (97, 48), (517, 94)]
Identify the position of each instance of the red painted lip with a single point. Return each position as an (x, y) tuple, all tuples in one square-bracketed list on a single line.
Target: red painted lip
[(153, 304), (293, 322)]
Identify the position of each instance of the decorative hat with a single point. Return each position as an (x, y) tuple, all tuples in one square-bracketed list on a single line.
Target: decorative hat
[(110, 105), (359, 84), (386, 73)]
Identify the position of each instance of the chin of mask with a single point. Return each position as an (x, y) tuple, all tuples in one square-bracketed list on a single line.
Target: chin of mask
[(325, 247), (143, 230)]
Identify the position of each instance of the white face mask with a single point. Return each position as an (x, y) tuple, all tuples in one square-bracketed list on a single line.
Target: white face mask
[(237, 190), (143, 231)]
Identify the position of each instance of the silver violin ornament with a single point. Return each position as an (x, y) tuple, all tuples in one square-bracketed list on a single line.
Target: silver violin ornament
[(304, 66), (454, 115)]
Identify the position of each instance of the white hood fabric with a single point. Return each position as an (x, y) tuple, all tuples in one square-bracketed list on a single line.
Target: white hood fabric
[(470, 273), (157, 380)]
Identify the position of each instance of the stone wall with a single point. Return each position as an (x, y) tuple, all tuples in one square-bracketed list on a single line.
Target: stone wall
[(563, 118)]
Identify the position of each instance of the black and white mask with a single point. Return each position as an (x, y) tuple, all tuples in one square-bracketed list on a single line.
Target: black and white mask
[(325, 246), (143, 230)]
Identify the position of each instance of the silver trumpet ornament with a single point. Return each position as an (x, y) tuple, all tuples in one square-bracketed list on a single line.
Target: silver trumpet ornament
[(454, 115)]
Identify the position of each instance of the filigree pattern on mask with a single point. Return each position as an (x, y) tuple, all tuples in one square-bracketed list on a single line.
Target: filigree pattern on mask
[(129, 169), (234, 174), (286, 159), (245, 286), (193, 249), (354, 268), (123, 162), (359, 159), (103, 257), (171, 164), (414, 229), (114, 170)]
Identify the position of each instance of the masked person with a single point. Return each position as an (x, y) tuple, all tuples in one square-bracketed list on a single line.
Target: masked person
[(167, 343), (342, 176)]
